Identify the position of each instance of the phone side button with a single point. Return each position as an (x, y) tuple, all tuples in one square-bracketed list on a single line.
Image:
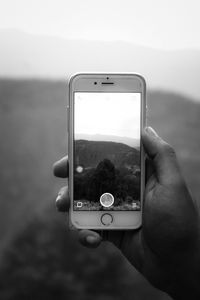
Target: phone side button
[(106, 219), (68, 118)]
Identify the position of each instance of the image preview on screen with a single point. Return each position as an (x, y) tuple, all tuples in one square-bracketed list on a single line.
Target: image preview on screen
[(107, 151)]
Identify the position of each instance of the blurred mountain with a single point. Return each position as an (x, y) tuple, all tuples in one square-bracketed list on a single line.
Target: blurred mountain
[(114, 138), (90, 153), (26, 55)]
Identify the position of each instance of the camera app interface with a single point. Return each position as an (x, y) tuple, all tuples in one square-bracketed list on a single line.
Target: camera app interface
[(107, 151)]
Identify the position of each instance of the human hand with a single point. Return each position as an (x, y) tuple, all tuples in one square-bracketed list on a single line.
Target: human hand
[(166, 248)]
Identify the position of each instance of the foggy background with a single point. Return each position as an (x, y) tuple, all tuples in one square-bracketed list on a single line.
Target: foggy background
[(41, 44)]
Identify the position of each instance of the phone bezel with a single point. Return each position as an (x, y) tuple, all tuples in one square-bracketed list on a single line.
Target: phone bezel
[(123, 82)]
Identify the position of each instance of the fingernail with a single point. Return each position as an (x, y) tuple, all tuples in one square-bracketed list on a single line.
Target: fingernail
[(151, 131), (57, 163), (59, 197), (91, 239)]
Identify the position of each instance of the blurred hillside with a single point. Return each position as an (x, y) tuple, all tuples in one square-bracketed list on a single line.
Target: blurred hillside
[(40, 259), (24, 55), (119, 153)]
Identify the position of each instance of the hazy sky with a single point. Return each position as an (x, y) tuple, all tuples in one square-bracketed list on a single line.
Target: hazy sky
[(164, 24), (116, 114)]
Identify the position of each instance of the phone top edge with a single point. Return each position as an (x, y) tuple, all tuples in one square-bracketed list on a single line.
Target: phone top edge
[(138, 75)]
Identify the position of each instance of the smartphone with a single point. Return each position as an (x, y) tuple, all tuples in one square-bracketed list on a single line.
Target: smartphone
[(106, 114)]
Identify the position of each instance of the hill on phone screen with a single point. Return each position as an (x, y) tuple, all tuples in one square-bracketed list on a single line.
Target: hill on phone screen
[(90, 153)]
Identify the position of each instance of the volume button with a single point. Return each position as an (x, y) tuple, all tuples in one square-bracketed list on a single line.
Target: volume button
[(67, 118), (146, 121), (67, 130)]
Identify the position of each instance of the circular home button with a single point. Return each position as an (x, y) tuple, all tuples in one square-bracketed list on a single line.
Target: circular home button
[(106, 219)]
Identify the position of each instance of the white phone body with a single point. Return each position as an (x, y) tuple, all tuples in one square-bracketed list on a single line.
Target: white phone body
[(106, 114)]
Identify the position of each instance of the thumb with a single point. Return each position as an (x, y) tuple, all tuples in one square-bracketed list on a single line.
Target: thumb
[(162, 155)]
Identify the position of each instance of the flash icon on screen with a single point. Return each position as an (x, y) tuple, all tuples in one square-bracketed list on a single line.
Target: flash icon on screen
[(79, 169)]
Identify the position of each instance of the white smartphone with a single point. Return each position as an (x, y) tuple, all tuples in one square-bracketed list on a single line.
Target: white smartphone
[(106, 114)]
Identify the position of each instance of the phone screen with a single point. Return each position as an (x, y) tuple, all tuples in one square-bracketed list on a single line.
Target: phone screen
[(107, 171)]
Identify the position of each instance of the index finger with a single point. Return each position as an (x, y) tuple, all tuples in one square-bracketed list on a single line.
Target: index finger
[(61, 167)]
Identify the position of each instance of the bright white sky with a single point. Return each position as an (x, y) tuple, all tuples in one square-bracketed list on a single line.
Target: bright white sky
[(114, 114), (167, 24)]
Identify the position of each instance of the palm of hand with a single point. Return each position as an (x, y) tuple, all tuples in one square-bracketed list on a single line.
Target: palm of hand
[(155, 248)]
